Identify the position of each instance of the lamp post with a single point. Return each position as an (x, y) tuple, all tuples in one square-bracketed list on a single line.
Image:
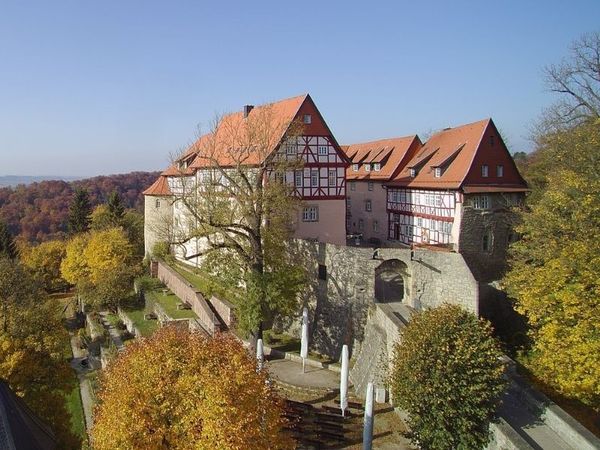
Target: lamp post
[(260, 353), (304, 338), (368, 421), (344, 381)]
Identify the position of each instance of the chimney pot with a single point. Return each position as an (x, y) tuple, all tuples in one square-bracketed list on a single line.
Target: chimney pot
[(247, 109)]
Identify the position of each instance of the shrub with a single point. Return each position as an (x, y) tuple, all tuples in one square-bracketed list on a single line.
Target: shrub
[(447, 375)]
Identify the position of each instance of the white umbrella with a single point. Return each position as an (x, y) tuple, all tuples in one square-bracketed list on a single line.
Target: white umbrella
[(368, 422), (344, 381), (260, 353), (304, 339)]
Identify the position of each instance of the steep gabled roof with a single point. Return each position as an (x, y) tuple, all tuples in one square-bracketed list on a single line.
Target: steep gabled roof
[(390, 153), (160, 188)]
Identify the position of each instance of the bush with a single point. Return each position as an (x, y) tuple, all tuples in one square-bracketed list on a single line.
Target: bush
[(447, 375)]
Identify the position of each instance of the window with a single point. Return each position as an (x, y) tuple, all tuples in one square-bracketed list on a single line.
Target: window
[(361, 224), (368, 205), (413, 173), (486, 244), (481, 202), (419, 221), (484, 170), (492, 140), (367, 167), (314, 177), (157, 203), (437, 172), (370, 185), (447, 227), (353, 185), (348, 203), (298, 178), (377, 167), (500, 171), (332, 178), (291, 149), (307, 118), (278, 178), (322, 272), (322, 149), (355, 167), (310, 214), (375, 226)]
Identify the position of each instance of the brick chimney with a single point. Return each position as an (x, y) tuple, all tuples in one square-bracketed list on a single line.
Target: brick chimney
[(247, 109)]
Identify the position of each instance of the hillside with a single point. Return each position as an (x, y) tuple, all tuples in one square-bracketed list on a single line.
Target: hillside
[(15, 180), (39, 211)]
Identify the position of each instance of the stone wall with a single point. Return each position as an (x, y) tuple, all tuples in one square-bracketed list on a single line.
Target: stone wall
[(187, 293), (338, 305)]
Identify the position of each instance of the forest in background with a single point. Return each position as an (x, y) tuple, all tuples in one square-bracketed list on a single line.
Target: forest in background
[(38, 212)]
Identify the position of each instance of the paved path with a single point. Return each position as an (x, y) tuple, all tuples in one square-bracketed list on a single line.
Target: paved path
[(290, 372), (84, 385), (112, 331)]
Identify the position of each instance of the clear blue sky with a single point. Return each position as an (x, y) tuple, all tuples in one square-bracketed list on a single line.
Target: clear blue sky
[(113, 86)]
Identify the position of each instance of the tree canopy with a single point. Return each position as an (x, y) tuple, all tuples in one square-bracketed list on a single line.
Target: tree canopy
[(8, 247), (44, 261), (79, 212), (447, 375), (180, 390)]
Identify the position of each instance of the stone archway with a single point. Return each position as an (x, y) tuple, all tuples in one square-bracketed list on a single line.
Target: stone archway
[(391, 281)]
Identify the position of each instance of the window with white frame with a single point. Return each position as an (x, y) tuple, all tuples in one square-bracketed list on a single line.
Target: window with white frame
[(377, 167), (437, 172), (291, 149), (355, 167), (484, 170), (370, 185), (332, 178), (314, 177), (481, 202), (322, 149), (307, 118), (500, 171), (419, 221), (353, 185), (298, 178), (310, 214), (348, 202), (368, 205), (367, 167), (413, 173)]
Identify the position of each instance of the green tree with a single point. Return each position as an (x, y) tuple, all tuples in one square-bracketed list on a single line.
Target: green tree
[(79, 212), (243, 213), (181, 390), (115, 207), (447, 375), (555, 266), (8, 247)]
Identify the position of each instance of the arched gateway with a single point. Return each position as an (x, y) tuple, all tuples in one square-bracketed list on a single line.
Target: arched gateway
[(390, 281)]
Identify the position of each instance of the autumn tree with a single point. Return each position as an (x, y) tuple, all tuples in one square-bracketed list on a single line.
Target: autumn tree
[(43, 261), (32, 352), (131, 221), (238, 209), (79, 212), (181, 390), (447, 375), (102, 266), (8, 247)]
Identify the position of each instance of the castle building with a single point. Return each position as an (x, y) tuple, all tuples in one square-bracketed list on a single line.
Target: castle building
[(372, 164), (456, 192), (319, 182)]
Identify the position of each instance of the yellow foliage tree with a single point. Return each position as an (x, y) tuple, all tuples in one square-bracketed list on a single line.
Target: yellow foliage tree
[(181, 390), (44, 261), (555, 268), (73, 267)]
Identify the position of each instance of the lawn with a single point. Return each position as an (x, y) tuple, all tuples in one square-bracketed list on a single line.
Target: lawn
[(75, 408), (169, 303), (205, 283), (146, 327)]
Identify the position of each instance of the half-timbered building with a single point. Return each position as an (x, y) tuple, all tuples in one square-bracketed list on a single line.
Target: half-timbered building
[(371, 165), (456, 192)]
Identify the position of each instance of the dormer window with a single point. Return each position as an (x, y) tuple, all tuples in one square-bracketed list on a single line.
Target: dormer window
[(437, 172), (412, 173), (377, 167), (355, 167), (307, 119), (367, 167), (485, 170)]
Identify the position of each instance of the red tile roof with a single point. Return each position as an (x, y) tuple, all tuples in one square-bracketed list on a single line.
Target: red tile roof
[(390, 153), (459, 152), (159, 188)]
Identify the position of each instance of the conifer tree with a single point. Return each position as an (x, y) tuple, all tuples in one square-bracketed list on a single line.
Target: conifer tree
[(116, 207), (8, 247), (79, 212)]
